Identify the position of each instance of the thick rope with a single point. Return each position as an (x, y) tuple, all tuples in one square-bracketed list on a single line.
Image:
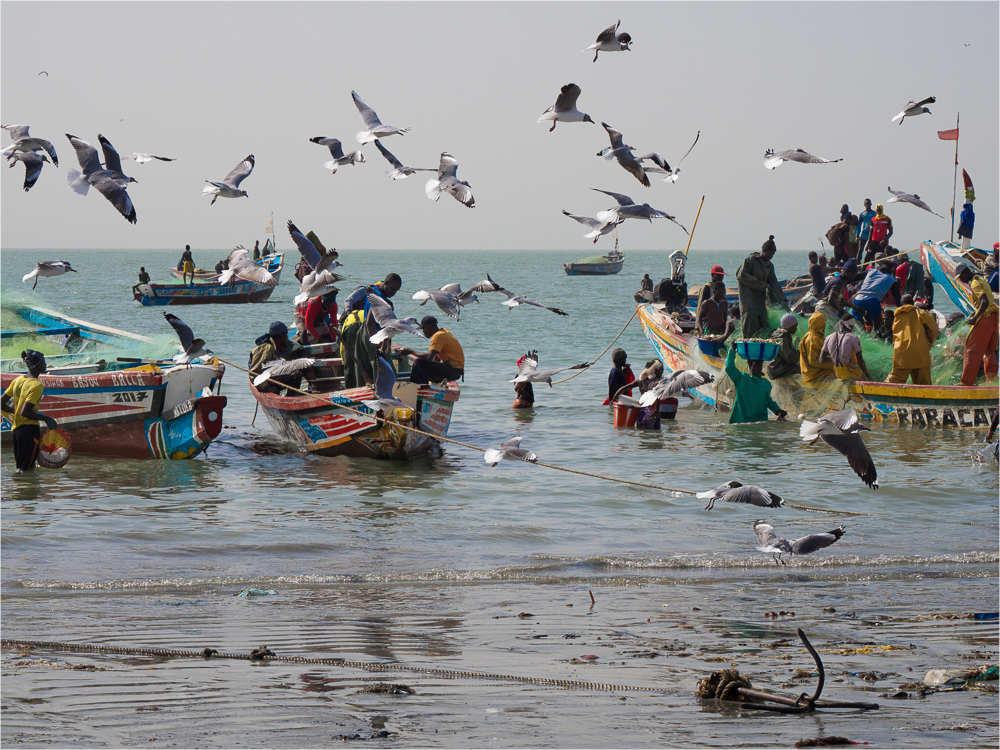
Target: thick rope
[(551, 466), (580, 372), (367, 666)]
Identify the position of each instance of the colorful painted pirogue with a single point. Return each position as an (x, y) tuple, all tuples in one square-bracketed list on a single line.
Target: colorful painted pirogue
[(271, 262), (237, 292), (940, 259), (335, 422), (918, 405), (111, 407)]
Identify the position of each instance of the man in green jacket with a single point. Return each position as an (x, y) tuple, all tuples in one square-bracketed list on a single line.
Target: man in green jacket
[(756, 282), (753, 392)]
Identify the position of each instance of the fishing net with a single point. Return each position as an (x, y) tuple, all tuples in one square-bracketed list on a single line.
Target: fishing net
[(54, 449), (819, 397), (64, 344)]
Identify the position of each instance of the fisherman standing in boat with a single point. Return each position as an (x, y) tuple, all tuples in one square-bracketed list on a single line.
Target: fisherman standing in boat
[(187, 265), (256, 249), (712, 313), (753, 392), (444, 359), (981, 343), (26, 394), (756, 282), (865, 228), (357, 327), (707, 290)]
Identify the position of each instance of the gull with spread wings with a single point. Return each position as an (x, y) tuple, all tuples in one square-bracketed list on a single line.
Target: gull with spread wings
[(898, 196), (564, 110), (628, 209), (447, 182), (321, 279), (107, 182), (385, 316), (841, 430), (510, 449), (770, 542), (21, 141), (745, 494), (912, 109), (230, 186), (662, 167), (610, 40), (674, 383), (398, 171), (375, 127), (623, 154), (597, 228), (241, 266), (513, 300), (191, 348), (48, 268), (772, 159), (32, 161), (339, 158), (528, 372)]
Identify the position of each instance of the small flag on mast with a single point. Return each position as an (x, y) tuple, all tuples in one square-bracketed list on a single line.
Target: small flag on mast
[(970, 192), (948, 135)]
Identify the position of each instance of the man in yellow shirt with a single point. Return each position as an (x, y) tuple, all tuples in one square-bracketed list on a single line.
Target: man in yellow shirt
[(20, 403), (445, 359), (981, 343)]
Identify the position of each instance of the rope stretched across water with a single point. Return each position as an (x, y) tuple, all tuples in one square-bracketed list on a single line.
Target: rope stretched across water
[(580, 372), (594, 475), (367, 666)]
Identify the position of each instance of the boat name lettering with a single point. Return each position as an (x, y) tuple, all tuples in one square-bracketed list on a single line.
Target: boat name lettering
[(126, 378), (129, 396), (948, 417)]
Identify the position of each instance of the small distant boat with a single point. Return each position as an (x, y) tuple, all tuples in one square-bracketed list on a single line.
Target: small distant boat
[(940, 261), (335, 422), (210, 292), (596, 265), (110, 391)]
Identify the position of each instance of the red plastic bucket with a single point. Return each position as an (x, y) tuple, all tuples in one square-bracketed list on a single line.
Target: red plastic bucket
[(625, 415)]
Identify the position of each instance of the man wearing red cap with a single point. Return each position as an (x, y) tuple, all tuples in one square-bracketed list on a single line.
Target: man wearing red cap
[(706, 289)]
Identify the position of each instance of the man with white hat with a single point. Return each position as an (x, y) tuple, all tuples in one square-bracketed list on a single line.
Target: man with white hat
[(786, 362)]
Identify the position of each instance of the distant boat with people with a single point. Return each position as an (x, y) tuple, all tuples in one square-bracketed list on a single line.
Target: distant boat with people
[(209, 290)]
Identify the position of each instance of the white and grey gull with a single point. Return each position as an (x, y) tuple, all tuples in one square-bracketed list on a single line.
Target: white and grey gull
[(841, 430), (48, 268), (610, 40), (898, 196), (22, 141), (191, 347), (622, 153), (375, 127), (339, 158), (32, 161), (768, 541), (447, 182), (912, 109), (564, 110), (745, 494), (230, 186), (773, 159), (528, 372), (107, 182), (510, 449), (399, 172), (629, 209)]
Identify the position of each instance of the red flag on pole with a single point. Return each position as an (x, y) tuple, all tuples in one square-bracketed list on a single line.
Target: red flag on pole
[(948, 135)]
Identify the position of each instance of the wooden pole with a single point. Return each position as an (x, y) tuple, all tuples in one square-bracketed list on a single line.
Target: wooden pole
[(954, 188), (693, 228)]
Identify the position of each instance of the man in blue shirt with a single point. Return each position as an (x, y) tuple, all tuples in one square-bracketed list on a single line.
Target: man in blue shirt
[(865, 227)]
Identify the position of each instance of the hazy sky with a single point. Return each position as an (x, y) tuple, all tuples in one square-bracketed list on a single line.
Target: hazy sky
[(210, 83)]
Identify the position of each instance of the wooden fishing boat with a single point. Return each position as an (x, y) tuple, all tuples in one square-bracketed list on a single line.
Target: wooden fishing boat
[(238, 291), (940, 261), (596, 265), (917, 405), (112, 407), (335, 422), (271, 262)]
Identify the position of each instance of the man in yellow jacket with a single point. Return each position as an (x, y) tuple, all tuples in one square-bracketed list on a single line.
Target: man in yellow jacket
[(812, 366), (913, 332)]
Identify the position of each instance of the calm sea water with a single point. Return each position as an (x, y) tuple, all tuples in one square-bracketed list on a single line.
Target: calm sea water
[(429, 563)]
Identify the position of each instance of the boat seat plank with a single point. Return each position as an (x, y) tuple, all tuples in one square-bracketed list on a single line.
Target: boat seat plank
[(60, 331)]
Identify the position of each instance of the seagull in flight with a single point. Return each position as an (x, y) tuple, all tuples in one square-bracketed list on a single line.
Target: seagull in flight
[(510, 449), (48, 268), (32, 161), (399, 172), (610, 40), (277, 367), (385, 316), (628, 209), (241, 266), (912, 109), (662, 167), (337, 152), (21, 141), (230, 186), (528, 372), (107, 182), (597, 228), (445, 298), (674, 383), (841, 430), (564, 110), (513, 300), (622, 153), (772, 159), (447, 182), (375, 127), (143, 158), (735, 492), (191, 348), (898, 196), (113, 163), (770, 542), (321, 279)]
